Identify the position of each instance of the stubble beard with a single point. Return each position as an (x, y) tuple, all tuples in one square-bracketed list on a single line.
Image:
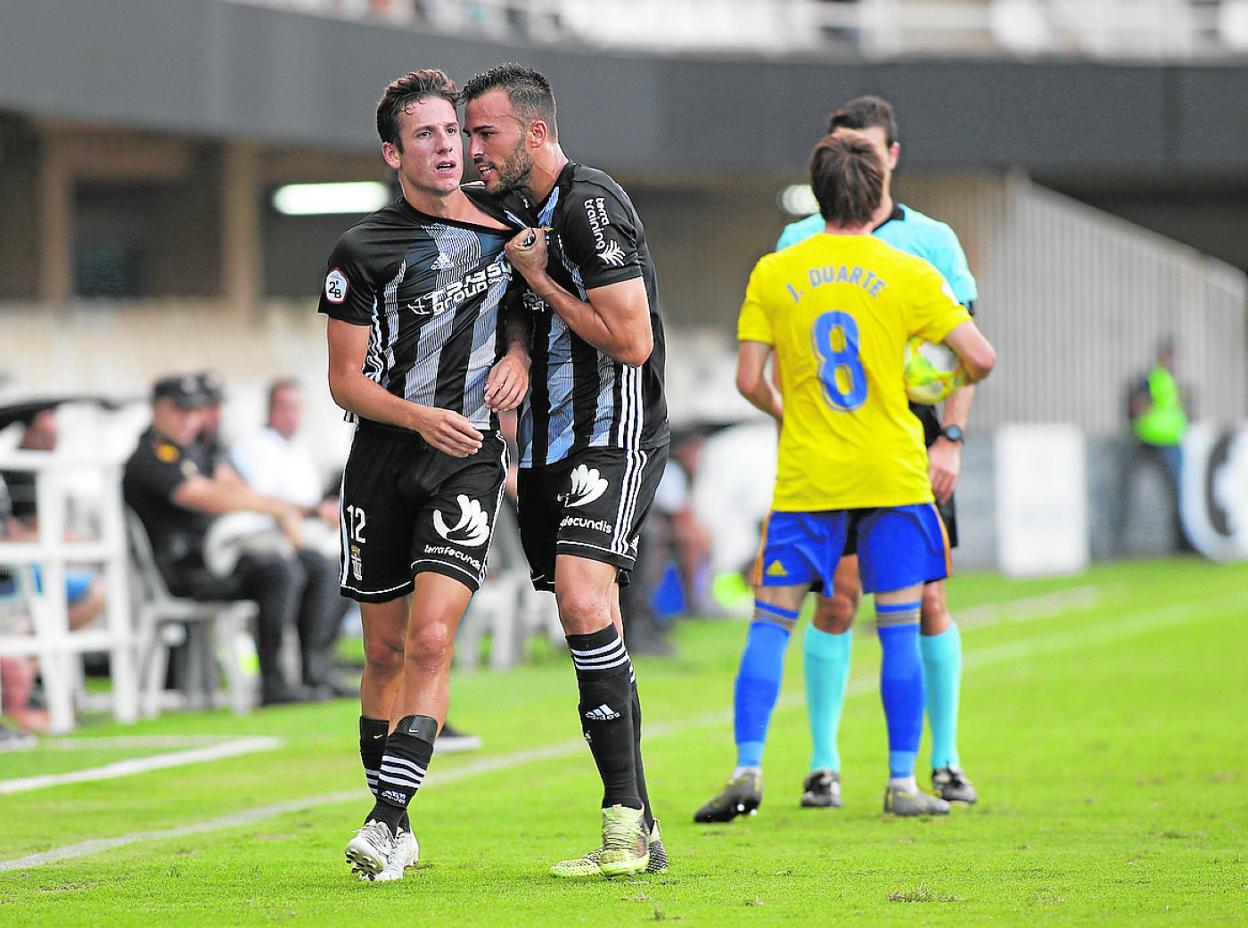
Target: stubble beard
[(514, 173)]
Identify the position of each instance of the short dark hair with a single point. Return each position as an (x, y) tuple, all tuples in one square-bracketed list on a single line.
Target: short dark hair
[(403, 91), (281, 383), (528, 91), (848, 179), (863, 113)]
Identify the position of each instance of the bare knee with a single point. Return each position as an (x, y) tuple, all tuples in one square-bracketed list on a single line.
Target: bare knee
[(582, 609), (835, 614), (384, 653), (429, 645), (585, 591), (935, 619)]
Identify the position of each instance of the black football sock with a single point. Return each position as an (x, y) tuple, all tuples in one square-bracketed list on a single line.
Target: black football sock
[(606, 711), (372, 747), (641, 772), (402, 769)]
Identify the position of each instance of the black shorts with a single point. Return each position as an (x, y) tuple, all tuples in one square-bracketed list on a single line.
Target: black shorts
[(408, 508), (948, 515), (590, 505)]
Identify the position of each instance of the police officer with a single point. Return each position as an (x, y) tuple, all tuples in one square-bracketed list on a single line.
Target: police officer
[(176, 502)]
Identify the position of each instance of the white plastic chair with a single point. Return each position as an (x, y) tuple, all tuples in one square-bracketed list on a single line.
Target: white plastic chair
[(211, 628)]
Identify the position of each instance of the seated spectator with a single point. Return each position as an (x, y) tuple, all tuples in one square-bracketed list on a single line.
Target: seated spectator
[(84, 586), (678, 532), (275, 463), (211, 452), (672, 533), (17, 674), (176, 501)]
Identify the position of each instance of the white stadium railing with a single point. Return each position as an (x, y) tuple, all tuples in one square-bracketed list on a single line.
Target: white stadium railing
[(877, 28), (34, 617)]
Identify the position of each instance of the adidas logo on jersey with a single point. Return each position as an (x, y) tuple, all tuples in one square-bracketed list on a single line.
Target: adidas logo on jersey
[(587, 486), (442, 263), (603, 713), (473, 527)]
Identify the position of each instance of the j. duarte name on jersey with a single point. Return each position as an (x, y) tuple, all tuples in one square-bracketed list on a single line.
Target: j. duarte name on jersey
[(447, 298)]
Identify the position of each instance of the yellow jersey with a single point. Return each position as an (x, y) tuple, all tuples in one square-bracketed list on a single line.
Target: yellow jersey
[(838, 311)]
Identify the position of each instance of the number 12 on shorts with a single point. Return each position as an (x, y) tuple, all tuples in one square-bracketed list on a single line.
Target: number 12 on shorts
[(835, 336), (355, 523)]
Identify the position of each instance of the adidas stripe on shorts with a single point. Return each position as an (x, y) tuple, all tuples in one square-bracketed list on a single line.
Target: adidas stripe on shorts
[(591, 504)]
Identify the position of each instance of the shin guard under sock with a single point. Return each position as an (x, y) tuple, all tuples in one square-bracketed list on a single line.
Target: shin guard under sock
[(642, 793), (758, 680), (372, 746), (901, 684), (605, 708), (408, 751)]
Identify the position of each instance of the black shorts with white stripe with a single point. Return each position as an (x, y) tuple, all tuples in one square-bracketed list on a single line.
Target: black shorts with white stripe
[(591, 504), (407, 508)]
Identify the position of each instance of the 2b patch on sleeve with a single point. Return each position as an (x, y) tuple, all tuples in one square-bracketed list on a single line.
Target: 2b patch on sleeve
[(336, 287)]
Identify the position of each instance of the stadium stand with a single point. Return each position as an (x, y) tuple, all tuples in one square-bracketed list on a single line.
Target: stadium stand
[(879, 28)]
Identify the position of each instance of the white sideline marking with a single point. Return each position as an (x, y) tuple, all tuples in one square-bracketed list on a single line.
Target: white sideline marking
[(95, 845), (125, 742), (1121, 628), (1030, 607), (125, 768)]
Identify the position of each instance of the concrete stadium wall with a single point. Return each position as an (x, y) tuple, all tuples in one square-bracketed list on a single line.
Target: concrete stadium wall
[(1076, 302), (213, 68)]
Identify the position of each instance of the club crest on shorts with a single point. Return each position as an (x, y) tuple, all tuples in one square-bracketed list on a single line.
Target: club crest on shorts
[(587, 486), (357, 563), (473, 527)]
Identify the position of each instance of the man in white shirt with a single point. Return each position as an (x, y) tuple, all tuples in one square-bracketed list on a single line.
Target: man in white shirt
[(275, 464)]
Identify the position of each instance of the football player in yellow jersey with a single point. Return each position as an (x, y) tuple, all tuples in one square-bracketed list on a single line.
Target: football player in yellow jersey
[(837, 311)]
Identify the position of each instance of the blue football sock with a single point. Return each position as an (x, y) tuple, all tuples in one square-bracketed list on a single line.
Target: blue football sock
[(827, 670), (901, 684), (758, 680), (942, 668)]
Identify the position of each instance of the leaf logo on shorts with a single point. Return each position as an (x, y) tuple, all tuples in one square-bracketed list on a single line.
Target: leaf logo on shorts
[(587, 486), (473, 527)]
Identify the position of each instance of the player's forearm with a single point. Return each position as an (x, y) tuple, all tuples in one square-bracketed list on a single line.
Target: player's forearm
[(519, 350), (973, 350), (958, 407), (369, 400), (517, 325), (625, 343), (217, 497), (763, 396)]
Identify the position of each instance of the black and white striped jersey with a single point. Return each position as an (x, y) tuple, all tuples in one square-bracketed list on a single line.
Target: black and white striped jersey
[(430, 289), (580, 397)]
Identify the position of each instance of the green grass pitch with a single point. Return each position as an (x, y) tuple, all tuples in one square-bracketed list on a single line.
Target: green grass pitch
[(1103, 721)]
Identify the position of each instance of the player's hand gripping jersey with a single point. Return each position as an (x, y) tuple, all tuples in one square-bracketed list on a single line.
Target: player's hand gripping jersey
[(837, 310), (582, 398)]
